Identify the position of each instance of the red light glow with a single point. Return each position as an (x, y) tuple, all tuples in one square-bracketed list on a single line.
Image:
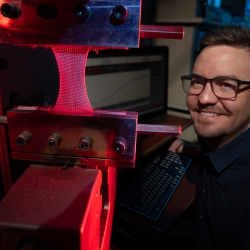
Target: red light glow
[(71, 62)]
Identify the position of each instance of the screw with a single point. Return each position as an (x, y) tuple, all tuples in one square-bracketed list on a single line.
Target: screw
[(24, 138), (54, 141), (82, 11), (85, 143), (119, 145), (120, 12)]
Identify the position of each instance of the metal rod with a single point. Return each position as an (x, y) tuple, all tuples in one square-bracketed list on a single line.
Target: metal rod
[(152, 129), (3, 120), (165, 32)]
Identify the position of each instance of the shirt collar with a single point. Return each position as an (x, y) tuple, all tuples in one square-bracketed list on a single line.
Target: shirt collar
[(225, 155)]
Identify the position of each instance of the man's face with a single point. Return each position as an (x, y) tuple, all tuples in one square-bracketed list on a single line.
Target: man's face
[(220, 121)]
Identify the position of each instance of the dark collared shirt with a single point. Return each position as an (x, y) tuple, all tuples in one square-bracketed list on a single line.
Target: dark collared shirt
[(223, 196)]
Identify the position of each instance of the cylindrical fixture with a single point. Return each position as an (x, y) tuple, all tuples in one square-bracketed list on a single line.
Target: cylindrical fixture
[(10, 10), (54, 141), (82, 11), (119, 145), (119, 13), (85, 143), (24, 138)]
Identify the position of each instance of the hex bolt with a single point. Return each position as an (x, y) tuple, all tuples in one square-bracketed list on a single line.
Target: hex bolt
[(24, 138), (82, 11), (120, 12), (10, 10), (119, 145), (54, 141), (85, 143)]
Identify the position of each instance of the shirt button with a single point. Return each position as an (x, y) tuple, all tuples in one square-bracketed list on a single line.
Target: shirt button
[(203, 190), (201, 217)]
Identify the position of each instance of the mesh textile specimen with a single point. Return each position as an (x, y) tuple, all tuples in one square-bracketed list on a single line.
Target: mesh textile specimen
[(71, 62)]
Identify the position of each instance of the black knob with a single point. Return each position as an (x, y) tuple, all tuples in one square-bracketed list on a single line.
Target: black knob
[(10, 10)]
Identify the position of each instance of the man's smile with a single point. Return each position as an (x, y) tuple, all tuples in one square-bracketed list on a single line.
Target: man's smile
[(208, 113)]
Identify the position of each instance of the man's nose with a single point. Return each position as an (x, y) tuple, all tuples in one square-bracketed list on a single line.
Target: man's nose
[(207, 95)]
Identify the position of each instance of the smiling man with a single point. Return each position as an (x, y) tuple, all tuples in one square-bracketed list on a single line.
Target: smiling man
[(218, 99)]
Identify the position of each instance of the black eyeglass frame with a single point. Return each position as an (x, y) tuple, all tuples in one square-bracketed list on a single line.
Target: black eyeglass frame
[(210, 80)]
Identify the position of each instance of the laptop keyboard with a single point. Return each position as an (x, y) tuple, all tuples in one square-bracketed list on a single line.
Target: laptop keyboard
[(150, 192)]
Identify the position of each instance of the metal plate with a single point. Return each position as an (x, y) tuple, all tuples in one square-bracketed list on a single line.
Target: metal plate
[(103, 129), (65, 28)]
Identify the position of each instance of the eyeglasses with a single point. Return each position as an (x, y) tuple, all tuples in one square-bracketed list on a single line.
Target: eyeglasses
[(222, 87)]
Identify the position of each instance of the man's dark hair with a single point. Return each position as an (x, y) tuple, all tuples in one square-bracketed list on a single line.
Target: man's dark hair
[(236, 36)]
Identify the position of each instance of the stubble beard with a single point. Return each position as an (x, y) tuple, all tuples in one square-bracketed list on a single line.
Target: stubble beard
[(206, 132)]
